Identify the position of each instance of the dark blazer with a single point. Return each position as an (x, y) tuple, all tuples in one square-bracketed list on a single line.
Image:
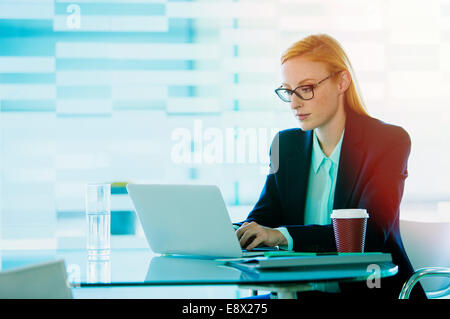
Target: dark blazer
[(371, 175)]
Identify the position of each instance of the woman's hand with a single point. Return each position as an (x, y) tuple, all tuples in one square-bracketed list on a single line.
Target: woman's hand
[(251, 235)]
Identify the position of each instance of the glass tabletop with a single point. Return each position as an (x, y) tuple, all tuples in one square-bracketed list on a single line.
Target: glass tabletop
[(142, 267)]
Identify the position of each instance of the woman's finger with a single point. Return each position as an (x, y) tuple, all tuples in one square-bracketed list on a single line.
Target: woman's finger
[(240, 231), (257, 240), (247, 237)]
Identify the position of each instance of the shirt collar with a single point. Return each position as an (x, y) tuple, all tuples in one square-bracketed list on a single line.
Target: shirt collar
[(318, 157)]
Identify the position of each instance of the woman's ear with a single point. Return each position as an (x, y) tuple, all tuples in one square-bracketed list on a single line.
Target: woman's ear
[(345, 79)]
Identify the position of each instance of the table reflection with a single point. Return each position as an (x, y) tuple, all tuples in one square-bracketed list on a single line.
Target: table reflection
[(142, 267), (191, 269), (98, 269)]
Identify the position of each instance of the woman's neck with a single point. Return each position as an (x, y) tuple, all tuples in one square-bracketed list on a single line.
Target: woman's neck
[(330, 133)]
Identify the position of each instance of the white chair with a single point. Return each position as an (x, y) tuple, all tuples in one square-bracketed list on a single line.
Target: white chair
[(42, 281), (424, 273), (426, 237)]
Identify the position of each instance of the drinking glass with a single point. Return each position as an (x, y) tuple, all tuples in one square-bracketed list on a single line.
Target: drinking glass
[(98, 214)]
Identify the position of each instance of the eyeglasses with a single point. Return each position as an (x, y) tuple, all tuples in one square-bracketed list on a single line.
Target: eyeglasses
[(305, 92)]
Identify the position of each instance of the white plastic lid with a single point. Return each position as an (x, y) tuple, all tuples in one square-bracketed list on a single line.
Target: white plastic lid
[(349, 213)]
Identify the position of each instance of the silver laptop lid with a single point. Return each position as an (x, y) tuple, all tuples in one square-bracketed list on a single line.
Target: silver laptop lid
[(185, 219)]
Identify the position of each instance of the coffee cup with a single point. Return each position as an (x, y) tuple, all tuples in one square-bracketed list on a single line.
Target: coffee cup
[(349, 227)]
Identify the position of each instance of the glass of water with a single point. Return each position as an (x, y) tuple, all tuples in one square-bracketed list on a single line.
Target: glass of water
[(98, 214)]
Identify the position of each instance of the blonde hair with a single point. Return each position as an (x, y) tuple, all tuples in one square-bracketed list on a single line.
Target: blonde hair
[(324, 48)]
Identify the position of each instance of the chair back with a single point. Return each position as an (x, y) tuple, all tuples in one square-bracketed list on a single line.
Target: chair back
[(427, 244), (42, 281)]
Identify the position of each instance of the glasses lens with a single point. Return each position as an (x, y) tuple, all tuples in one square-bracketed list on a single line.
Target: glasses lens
[(284, 94), (306, 92)]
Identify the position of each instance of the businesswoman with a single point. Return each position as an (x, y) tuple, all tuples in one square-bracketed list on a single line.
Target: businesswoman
[(340, 157)]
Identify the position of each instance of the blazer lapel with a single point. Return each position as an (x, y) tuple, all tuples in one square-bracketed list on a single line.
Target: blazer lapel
[(350, 161), (298, 174)]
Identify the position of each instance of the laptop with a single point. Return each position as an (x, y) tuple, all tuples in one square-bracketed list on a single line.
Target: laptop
[(187, 220)]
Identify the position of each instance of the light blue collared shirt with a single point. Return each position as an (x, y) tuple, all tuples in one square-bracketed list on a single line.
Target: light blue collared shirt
[(321, 187)]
